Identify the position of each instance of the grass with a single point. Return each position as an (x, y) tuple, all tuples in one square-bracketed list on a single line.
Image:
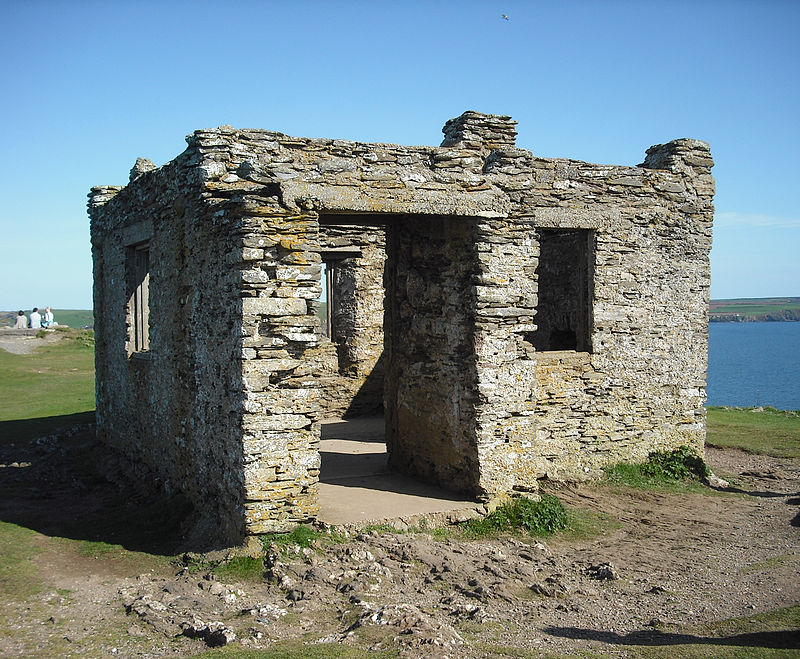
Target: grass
[(763, 431), (537, 518), (301, 536), (678, 470), (761, 566), (96, 549), (54, 385), (583, 524), (759, 303), (74, 317), (19, 576), (241, 568), (298, 650)]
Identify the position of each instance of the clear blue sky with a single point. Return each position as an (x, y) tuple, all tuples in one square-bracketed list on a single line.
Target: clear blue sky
[(89, 86)]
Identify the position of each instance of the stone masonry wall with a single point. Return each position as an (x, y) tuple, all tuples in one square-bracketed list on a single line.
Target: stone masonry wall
[(226, 405), (173, 411), (642, 386)]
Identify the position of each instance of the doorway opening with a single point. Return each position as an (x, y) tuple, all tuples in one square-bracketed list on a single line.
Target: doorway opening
[(389, 309)]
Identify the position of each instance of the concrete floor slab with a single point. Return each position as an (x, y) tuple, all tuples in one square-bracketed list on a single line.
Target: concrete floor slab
[(356, 485)]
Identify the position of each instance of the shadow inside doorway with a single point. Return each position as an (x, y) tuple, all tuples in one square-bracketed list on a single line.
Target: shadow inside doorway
[(357, 486)]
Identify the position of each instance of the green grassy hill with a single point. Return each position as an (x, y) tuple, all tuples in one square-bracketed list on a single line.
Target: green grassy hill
[(754, 309)]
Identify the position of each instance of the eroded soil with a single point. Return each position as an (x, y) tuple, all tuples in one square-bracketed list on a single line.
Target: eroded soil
[(663, 563)]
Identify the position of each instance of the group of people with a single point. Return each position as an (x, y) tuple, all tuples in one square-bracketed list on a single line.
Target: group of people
[(35, 320)]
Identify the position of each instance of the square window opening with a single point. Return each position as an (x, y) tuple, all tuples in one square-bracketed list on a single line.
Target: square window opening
[(565, 279)]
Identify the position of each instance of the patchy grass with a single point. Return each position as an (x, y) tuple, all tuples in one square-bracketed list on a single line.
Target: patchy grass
[(48, 389), (123, 560), (19, 576), (95, 549), (537, 518), (673, 471), (301, 536), (759, 430), (423, 526), (768, 564), (381, 528), (584, 524), (299, 650), (241, 568)]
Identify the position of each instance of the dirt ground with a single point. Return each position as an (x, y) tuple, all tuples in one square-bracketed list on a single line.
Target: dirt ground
[(663, 563), (23, 342)]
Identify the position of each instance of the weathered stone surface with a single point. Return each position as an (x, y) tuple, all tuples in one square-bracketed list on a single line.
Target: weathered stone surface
[(518, 317)]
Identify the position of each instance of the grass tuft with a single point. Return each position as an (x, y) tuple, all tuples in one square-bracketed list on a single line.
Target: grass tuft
[(543, 517), (679, 468), (680, 464), (301, 536), (241, 568)]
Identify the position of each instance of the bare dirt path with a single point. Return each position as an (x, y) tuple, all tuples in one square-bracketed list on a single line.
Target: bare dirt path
[(666, 563)]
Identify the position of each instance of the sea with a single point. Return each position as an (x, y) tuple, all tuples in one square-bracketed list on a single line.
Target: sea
[(754, 364)]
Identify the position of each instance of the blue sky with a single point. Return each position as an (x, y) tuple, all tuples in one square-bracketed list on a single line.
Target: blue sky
[(89, 86)]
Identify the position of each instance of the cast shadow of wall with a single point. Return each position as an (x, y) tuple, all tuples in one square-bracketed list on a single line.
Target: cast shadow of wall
[(68, 484), (368, 400), (788, 639)]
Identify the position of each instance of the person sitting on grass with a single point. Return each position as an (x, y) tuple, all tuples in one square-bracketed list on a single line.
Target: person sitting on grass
[(22, 322), (47, 319)]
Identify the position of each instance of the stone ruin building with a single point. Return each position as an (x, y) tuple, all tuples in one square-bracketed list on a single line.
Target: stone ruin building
[(514, 317)]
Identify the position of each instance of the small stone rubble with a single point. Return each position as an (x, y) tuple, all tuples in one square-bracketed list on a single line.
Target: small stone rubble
[(374, 577)]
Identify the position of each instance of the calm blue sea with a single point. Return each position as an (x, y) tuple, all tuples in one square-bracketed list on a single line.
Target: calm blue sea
[(752, 364)]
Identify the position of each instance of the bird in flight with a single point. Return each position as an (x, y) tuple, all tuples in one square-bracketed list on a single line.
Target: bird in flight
[(505, 17)]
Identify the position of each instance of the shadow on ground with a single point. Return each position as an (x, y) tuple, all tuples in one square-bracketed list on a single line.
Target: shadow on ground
[(69, 485), (789, 639)]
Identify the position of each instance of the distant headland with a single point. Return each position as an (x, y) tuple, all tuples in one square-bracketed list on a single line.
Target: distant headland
[(750, 310)]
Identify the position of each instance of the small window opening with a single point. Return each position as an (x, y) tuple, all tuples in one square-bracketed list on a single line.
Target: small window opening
[(327, 297), (565, 274), (139, 297), (332, 263)]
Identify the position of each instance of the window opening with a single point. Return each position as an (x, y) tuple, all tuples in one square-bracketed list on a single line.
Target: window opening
[(331, 262), (139, 297), (565, 274)]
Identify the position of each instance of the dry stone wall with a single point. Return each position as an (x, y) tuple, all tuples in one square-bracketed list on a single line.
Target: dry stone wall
[(173, 411), (226, 404)]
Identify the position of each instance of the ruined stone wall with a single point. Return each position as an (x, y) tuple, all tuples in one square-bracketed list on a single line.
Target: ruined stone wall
[(641, 385), (280, 329), (226, 405), (174, 411)]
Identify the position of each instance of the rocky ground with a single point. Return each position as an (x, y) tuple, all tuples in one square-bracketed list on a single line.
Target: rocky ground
[(652, 566), (23, 342)]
